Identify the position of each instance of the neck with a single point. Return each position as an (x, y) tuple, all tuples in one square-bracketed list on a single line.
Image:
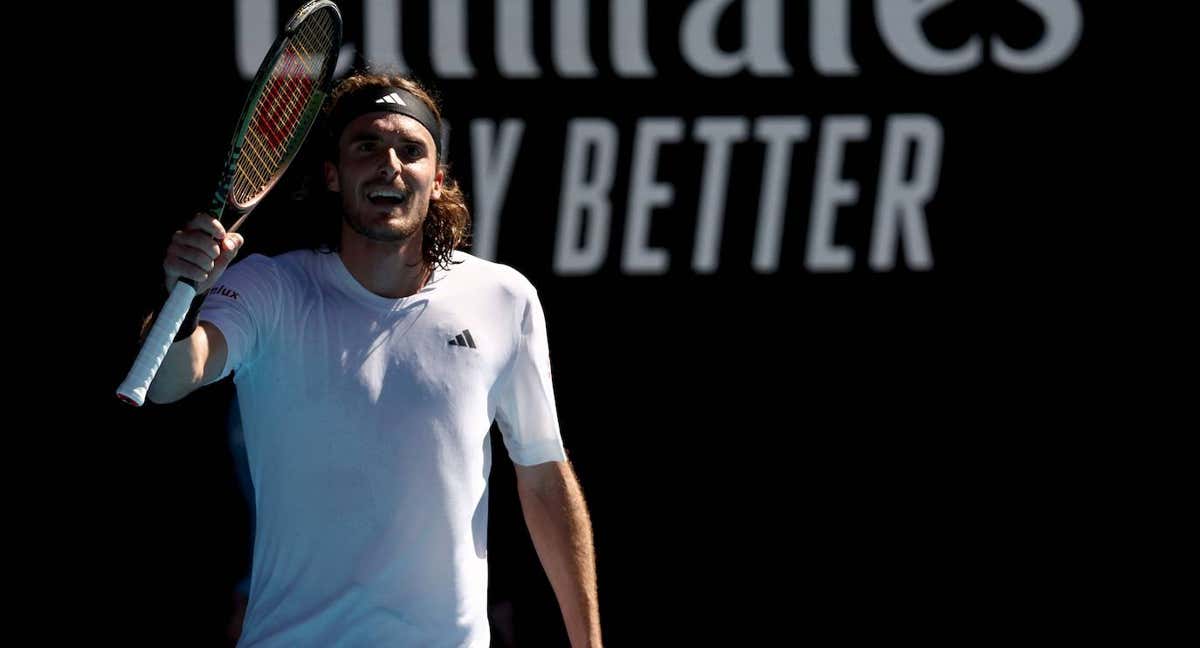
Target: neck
[(391, 270)]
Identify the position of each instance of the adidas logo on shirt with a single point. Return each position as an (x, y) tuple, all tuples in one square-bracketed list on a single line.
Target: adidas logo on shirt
[(392, 99), (463, 339)]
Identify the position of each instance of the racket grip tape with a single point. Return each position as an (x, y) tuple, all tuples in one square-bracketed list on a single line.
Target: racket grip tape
[(158, 342)]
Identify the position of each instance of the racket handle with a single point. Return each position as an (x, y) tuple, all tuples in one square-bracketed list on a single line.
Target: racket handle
[(158, 342)]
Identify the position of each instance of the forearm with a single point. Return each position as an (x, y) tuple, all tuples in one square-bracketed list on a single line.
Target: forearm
[(200, 253), (183, 368), (562, 535)]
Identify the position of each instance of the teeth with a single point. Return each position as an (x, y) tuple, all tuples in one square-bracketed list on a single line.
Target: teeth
[(387, 193)]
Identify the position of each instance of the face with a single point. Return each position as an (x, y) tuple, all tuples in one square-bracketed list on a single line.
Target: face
[(387, 174)]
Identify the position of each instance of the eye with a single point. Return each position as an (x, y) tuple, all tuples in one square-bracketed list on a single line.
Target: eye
[(365, 146), (413, 151)]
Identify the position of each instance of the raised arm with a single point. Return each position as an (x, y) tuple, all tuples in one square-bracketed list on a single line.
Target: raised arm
[(200, 252)]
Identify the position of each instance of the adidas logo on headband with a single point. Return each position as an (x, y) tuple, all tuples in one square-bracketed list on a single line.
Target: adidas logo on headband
[(396, 100), (392, 99)]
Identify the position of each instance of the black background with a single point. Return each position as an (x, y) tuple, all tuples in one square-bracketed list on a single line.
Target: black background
[(855, 455)]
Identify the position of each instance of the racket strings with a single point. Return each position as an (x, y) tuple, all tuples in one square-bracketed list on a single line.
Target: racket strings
[(292, 87), (273, 122), (280, 109), (275, 119)]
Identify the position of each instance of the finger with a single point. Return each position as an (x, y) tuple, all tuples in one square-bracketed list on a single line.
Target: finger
[(181, 251), (200, 241), (233, 242), (192, 256), (206, 223), (231, 245), (195, 257)]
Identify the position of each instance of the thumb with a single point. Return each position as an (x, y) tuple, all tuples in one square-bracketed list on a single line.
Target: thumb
[(230, 246)]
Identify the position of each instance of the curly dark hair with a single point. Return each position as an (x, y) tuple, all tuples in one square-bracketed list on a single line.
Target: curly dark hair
[(447, 226)]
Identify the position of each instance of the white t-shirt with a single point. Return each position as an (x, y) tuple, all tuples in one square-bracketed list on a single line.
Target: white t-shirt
[(366, 427)]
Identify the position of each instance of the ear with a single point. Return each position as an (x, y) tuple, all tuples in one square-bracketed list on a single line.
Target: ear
[(437, 184), (331, 177)]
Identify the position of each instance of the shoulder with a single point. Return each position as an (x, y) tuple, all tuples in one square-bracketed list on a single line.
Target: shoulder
[(252, 270), (504, 287), (273, 278), (490, 276), (297, 262), (288, 267)]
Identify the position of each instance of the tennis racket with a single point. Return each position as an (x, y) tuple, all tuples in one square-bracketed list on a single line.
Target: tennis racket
[(285, 98)]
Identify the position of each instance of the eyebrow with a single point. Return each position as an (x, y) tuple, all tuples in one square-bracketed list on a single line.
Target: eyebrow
[(361, 136), (367, 136)]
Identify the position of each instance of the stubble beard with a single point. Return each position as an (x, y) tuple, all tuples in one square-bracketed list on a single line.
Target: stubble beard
[(407, 227)]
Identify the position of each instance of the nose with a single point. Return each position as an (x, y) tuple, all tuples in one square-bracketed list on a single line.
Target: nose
[(391, 164)]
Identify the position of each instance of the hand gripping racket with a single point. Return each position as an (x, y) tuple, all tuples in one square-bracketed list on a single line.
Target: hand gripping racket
[(284, 100)]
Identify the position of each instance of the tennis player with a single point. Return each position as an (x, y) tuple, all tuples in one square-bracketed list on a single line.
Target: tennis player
[(368, 373)]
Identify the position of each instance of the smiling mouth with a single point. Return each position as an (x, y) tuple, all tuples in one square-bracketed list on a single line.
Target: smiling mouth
[(387, 197)]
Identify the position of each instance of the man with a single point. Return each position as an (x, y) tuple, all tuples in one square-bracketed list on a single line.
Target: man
[(368, 375)]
